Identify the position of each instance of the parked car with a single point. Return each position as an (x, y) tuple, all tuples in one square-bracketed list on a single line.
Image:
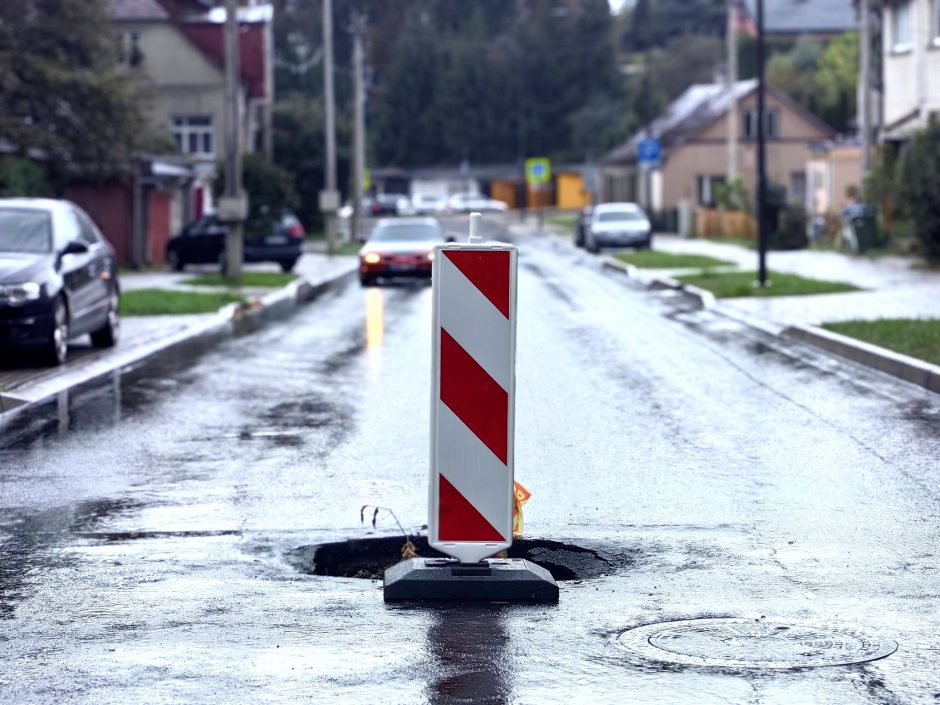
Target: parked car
[(581, 227), (399, 247), (58, 279), (618, 225), (469, 202), (271, 235), (428, 204)]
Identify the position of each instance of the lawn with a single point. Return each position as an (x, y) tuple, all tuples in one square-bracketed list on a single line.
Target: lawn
[(562, 221), (262, 280), (918, 338), (727, 285), (650, 259), (347, 248), (158, 302)]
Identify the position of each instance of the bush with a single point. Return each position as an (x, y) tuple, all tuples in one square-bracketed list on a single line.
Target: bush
[(733, 196), (919, 187), (265, 183), (22, 177)]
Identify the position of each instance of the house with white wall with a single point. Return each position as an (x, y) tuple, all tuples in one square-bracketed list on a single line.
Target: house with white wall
[(911, 50)]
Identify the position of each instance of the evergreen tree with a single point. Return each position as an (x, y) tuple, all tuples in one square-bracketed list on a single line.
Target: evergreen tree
[(61, 88)]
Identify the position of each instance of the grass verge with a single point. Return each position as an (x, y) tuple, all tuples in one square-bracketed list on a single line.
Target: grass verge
[(160, 302), (918, 338), (726, 285), (650, 259), (271, 280), (562, 221), (347, 248)]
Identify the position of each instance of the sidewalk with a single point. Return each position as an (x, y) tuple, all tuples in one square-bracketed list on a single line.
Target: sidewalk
[(142, 336), (894, 288)]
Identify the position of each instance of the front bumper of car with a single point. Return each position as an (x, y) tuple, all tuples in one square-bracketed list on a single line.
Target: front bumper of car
[(410, 265)]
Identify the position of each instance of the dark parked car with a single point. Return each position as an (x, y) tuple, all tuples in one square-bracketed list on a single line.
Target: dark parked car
[(270, 236), (581, 227), (58, 279)]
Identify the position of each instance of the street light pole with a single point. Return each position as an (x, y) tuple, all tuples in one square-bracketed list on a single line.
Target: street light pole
[(330, 125), (231, 209), (359, 139), (761, 150), (865, 86), (732, 48)]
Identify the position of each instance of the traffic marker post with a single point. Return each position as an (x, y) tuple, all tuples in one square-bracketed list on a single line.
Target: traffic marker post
[(472, 424)]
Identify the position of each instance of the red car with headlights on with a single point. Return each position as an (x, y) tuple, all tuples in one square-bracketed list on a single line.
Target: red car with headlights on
[(399, 247)]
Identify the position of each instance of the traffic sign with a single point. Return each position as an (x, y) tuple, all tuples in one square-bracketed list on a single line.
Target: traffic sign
[(538, 171), (649, 152), (471, 489)]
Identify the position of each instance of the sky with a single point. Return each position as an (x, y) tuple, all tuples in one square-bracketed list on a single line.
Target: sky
[(617, 5)]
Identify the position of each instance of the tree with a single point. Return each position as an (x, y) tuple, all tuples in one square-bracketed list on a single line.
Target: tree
[(685, 61), (837, 78), (63, 94), (920, 187)]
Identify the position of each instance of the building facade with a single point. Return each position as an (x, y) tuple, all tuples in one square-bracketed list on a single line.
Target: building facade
[(911, 50), (694, 136)]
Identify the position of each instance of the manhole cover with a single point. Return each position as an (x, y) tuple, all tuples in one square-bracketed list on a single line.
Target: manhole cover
[(748, 643)]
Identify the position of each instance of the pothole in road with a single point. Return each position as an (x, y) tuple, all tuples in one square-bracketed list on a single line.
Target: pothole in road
[(749, 643), (368, 558)]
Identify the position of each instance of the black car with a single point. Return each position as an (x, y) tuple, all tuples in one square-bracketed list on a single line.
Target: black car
[(270, 236), (58, 279)]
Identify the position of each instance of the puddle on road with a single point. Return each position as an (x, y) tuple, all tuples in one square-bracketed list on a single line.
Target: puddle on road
[(368, 558)]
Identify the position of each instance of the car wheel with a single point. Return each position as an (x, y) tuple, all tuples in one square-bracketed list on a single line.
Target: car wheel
[(287, 265), (646, 244), (592, 246), (56, 349), (107, 336), (173, 259)]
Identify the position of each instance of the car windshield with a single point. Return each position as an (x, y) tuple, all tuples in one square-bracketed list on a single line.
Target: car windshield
[(27, 231), (615, 216), (406, 233)]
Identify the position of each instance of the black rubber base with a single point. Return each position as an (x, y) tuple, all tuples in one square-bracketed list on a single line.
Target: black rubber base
[(495, 580)]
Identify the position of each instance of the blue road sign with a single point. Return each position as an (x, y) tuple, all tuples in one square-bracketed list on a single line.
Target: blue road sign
[(649, 151)]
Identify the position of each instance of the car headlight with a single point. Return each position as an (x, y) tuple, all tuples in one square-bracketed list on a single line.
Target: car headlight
[(20, 293), (431, 256), (372, 258)]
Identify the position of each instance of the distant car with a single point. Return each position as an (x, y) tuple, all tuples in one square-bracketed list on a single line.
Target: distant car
[(428, 204), (58, 279), (399, 247), (271, 235), (618, 225), (390, 204), (581, 227), (469, 202)]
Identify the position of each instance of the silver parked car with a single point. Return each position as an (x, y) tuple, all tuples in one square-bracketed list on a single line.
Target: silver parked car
[(618, 225)]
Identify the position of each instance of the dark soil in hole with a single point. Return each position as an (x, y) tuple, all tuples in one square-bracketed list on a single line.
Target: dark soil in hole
[(368, 558)]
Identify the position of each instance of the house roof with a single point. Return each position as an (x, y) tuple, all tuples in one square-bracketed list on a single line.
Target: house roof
[(806, 16), (138, 10), (198, 21), (693, 111)]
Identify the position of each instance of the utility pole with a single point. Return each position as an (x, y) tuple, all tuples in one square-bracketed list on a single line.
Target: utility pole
[(358, 29), (329, 201), (761, 150), (864, 87), (233, 208), (732, 40)]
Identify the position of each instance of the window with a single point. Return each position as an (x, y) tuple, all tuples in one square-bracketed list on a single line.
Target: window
[(771, 124), (935, 22), (89, 232), (798, 187), (706, 189), (194, 135), (129, 51), (902, 26)]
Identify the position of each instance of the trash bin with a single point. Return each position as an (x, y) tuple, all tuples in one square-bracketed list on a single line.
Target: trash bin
[(860, 227)]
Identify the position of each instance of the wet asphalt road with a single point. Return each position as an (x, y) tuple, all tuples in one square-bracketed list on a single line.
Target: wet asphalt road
[(146, 520)]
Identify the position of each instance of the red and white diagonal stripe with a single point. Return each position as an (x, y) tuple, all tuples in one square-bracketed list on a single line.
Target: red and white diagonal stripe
[(471, 457)]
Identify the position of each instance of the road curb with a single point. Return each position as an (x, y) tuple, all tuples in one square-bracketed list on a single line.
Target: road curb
[(701, 298), (228, 321), (909, 369)]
